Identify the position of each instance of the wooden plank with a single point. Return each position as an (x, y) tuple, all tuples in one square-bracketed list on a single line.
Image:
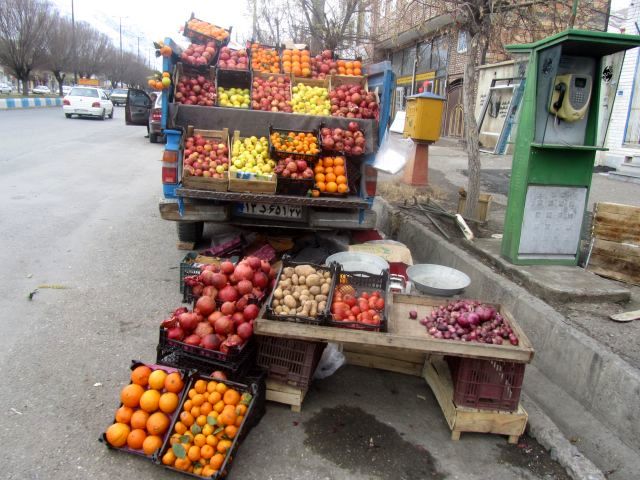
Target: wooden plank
[(463, 419), (420, 344), (409, 356), (185, 245), (617, 233), (618, 209), (617, 222), (624, 251), (383, 363), (282, 393), (611, 271)]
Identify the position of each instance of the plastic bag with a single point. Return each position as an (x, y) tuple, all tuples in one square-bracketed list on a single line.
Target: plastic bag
[(332, 359), (393, 153)]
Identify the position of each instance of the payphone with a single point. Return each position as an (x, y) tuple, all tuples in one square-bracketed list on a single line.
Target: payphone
[(559, 131)]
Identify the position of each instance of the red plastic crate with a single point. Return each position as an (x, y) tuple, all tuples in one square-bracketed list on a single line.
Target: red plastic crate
[(486, 384), (289, 361)]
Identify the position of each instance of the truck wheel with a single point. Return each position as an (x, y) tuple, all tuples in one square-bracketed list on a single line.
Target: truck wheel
[(153, 138), (68, 115), (190, 231)]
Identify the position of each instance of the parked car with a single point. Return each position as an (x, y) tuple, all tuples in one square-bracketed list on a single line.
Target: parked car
[(66, 89), (119, 96), (6, 88), (154, 127), (41, 90), (87, 101)]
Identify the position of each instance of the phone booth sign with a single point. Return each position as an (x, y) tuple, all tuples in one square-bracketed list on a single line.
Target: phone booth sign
[(559, 131)]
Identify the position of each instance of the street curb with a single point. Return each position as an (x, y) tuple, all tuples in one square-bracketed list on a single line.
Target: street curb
[(601, 381), (542, 428), (19, 103)]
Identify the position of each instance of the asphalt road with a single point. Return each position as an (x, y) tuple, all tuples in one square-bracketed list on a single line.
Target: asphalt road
[(78, 209)]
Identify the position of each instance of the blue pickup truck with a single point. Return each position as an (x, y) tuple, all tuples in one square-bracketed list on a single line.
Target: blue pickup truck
[(190, 207)]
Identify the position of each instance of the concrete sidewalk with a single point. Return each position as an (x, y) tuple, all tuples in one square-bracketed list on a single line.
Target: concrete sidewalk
[(16, 103)]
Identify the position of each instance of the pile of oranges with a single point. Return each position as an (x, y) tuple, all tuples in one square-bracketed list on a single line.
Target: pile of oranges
[(207, 29), (297, 62), (331, 175), (349, 67), (209, 421), (147, 404), (264, 59), (291, 142)]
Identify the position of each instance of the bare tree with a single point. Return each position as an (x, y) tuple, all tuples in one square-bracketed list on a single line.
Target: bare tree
[(59, 49), (93, 49), (24, 25)]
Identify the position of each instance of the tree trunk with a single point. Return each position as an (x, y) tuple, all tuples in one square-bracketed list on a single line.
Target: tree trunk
[(25, 85), (471, 126), (59, 78)]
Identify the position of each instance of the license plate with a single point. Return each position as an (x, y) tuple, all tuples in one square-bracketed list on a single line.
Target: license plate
[(266, 210)]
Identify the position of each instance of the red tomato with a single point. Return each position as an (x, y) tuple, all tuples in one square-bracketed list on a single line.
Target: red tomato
[(363, 305), (376, 318), (349, 300), (336, 306), (359, 317), (365, 295), (375, 294), (380, 304), (366, 317), (351, 318), (372, 302), (355, 310)]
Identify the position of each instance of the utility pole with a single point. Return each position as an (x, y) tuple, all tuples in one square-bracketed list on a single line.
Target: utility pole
[(574, 13), (73, 45), (138, 57)]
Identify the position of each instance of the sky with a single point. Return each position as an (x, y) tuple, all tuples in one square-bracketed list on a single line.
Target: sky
[(155, 20)]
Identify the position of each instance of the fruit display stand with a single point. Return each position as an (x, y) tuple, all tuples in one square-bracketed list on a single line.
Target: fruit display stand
[(227, 79), (208, 183), (241, 182)]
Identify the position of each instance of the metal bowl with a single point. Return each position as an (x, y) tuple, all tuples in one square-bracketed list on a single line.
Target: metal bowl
[(359, 262), (438, 279)]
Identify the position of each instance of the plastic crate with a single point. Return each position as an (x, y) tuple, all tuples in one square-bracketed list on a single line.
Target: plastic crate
[(232, 452), (364, 282), (235, 354), (235, 370), (185, 378), (188, 267), (289, 361), (486, 384), (277, 154), (322, 316), (198, 37), (258, 377)]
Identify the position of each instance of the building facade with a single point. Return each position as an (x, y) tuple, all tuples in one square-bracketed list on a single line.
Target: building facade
[(428, 49)]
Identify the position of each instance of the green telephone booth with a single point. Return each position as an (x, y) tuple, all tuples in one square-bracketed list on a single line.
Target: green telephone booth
[(569, 89)]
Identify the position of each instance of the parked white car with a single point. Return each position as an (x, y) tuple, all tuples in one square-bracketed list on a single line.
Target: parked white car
[(41, 90), (87, 101), (66, 89), (5, 88)]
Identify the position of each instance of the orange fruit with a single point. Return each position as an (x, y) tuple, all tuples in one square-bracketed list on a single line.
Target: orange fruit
[(139, 419), (315, 193), (198, 399), (151, 444), (332, 187), (180, 428), (194, 453), (207, 430), (169, 458), (117, 434), (123, 414), (338, 161), (201, 420), (206, 451), (321, 186), (173, 383), (328, 170), (150, 400), (187, 406), (157, 378), (130, 395), (206, 408), (228, 416), (231, 431), (140, 375), (221, 388), (199, 440), (182, 464), (207, 471), (330, 178), (216, 461), (231, 397), (175, 438), (341, 179), (195, 411), (319, 177), (328, 162), (136, 438), (338, 169), (186, 418), (200, 386), (158, 423), (211, 386), (239, 419), (343, 188), (223, 446), (212, 440), (168, 402), (218, 407), (241, 409), (192, 393)]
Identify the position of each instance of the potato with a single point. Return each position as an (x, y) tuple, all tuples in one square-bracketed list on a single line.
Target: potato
[(302, 280), (277, 293), (324, 289), (313, 312), (290, 301), (295, 280), (315, 290), (275, 303), (320, 298), (313, 280), (286, 292), (306, 308), (279, 310), (322, 306), (296, 295), (306, 292), (284, 283), (287, 272), (304, 298), (326, 274), (305, 270)]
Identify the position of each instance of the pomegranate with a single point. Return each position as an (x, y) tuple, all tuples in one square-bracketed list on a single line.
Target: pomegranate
[(228, 294), (211, 342), (260, 280), (203, 329), (175, 333), (205, 305), (224, 325), (226, 267), (188, 321), (213, 317), (245, 330), (228, 308), (193, 340), (250, 312), (218, 280), (255, 262), (244, 271)]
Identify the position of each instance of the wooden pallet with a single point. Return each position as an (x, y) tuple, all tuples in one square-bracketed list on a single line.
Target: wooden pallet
[(463, 419), (385, 358), (289, 395)]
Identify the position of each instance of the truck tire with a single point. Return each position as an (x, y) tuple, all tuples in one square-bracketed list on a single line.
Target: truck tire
[(190, 231), (153, 138)]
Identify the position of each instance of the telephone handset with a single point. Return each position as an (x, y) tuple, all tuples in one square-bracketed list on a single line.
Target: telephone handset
[(570, 97)]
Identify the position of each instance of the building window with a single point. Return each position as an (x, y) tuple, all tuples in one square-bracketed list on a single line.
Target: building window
[(408, 60), (462, 42)]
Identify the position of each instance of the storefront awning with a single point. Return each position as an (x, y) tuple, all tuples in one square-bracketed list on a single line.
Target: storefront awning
[(415, 33)]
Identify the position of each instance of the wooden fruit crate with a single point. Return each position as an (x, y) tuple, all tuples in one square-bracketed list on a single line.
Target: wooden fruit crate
[(287, 394), (208, 183), (242, 185), (463, 419)]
